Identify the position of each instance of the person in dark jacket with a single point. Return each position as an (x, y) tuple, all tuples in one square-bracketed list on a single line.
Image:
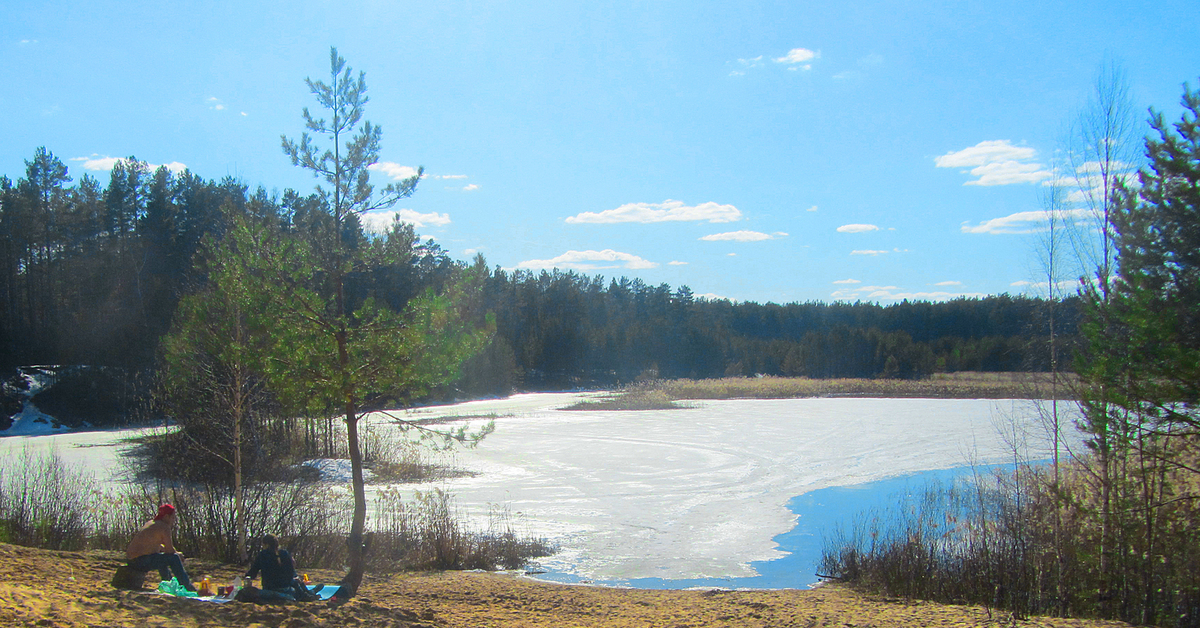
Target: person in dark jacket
[(278, 571)]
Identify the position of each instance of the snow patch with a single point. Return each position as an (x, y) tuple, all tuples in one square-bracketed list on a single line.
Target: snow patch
[(30, 421)]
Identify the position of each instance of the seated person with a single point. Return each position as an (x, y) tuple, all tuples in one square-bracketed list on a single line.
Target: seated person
[(151, 548), (278, 571)]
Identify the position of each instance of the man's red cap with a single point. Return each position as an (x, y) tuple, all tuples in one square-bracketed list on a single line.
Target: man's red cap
[(164, 511)]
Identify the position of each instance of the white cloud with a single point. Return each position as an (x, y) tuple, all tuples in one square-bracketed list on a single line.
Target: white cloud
[(395, 171), (798, 55), (666, 211), (846, 281), (985, 152), (893, 293), (244, 113), (1008, 173), (98, 163), (868, 252), (996, 162), (743, 236), (470, 187), (1024, 222), (215, 103), (709, 296), (589, 260), (948, 283), (380, 221), (676, 263), (855, 228), (811, 209), (448, 176)]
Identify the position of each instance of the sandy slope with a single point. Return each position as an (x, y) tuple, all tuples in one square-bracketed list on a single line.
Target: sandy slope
[(45, 588)]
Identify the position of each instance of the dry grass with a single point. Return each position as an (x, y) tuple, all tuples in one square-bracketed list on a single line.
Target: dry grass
[(939, 386)]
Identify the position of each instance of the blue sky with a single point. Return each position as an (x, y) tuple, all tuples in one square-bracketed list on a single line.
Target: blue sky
[(759, 151)]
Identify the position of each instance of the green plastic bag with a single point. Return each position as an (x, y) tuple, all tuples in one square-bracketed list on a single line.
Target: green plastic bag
[(172, 587)]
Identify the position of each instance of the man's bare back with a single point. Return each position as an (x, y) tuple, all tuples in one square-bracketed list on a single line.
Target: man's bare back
[(154, 537)]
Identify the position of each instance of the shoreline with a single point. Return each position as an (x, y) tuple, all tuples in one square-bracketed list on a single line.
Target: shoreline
[(71, 589)]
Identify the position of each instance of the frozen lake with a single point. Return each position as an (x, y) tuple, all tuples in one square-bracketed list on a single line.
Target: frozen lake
[(703, 492), (680, 495)]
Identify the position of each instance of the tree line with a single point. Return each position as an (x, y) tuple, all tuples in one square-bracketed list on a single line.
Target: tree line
[(93, 274)]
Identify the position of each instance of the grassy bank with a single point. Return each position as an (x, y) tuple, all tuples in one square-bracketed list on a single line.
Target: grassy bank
[(663, 394), (1032, 542), (47, 502)]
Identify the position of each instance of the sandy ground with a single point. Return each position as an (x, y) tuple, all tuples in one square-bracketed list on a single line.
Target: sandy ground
[(71, 589)]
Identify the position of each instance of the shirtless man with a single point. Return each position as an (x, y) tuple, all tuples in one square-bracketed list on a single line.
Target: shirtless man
[(151, 548)]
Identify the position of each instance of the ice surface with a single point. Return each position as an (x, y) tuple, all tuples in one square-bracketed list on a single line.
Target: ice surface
[(701, 492)]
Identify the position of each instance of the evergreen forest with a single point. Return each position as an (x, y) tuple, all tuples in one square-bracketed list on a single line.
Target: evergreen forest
[(92, 273)]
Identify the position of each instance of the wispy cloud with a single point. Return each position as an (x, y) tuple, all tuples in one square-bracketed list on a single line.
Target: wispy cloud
[(870, 61), (666, 211), (448, 176), (744, 64), (743, 236), (871, 252), (1042, 288), (589, 260), (811, 209), (470, 187), (215, 103), (393, 170), (1025, 222), (104, 163), (846, 281), (1086, 184), (380, 221), (856, 228), (676, 263), (794, 59), (948, 283), (893, 293), (996, 162)]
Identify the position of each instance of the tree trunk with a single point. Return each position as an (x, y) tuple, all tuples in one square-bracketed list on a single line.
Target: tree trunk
[(357, 558)]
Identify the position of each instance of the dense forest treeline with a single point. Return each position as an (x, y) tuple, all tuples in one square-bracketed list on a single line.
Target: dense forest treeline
[(92, 274)]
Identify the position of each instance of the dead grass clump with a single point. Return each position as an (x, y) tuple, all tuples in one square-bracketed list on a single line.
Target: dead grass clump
[(637, 398)]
